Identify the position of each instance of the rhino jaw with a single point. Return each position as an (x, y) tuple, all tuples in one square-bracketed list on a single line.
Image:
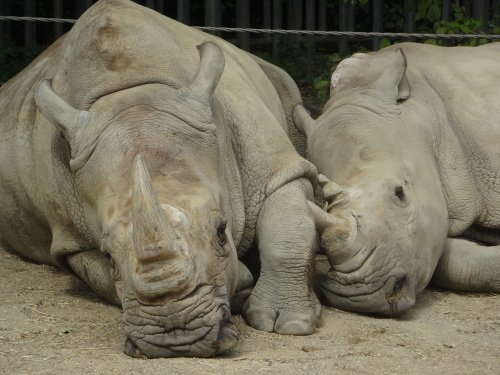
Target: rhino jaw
[(391, 297)]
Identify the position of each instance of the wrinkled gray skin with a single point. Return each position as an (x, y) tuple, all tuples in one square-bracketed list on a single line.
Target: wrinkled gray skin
[(147, 172), (410, 138)]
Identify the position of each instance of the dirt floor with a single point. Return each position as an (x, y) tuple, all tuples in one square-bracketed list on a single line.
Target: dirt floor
[(51, 323)]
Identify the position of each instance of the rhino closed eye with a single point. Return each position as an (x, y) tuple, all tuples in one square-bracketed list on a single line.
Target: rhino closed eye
[(400, 194), (221, 234)]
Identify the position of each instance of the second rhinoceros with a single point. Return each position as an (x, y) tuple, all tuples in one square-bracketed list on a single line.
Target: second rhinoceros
[(409, 151), (146, 172)]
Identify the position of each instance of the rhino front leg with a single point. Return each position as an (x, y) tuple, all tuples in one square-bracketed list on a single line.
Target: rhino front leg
[(94, 268), (243, 289), (468, 266), (283, 299)]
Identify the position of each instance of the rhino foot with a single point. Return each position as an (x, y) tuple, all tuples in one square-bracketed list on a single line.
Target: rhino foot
[(283, 319)]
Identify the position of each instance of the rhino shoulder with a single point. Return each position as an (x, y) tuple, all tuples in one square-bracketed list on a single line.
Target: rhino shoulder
[(289, 95)]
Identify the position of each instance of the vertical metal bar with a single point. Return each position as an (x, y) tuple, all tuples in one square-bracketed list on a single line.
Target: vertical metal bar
[(183, 11), (150, 4), (243, 21), (496, 12), (378, 22), (310, 25), (446, 10), (160, 6), (266, 9), (29, 26), (213, 12), (410, 11), (82, 6), (345, 20), (322, 15), (467, 9), (294, 20), (58, 13), (277, 24), (480, 11), (294, 11), (5, 30)]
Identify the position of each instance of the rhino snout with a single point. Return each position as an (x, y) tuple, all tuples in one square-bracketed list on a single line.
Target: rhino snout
[(161, 332), (391, 297)]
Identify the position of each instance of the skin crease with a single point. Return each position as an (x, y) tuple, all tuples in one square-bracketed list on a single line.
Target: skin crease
[(400, 158), (137, 168)]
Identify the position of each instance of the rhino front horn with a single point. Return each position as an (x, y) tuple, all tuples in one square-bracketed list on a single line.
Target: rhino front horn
[(151, 226), (158, 262)]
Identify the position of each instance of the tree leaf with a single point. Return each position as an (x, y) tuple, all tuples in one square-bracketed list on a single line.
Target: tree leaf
[(385, 43)]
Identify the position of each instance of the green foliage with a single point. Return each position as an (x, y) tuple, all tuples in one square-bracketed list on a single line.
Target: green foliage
[(322, 83), (393, 16), (429, 10), (461, 25), (429, 14)]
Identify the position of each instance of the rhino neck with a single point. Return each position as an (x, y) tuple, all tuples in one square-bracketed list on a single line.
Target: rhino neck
[(448, 150), (71, 233)]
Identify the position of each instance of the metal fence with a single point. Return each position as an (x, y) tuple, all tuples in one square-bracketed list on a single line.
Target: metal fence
[(267, 15)]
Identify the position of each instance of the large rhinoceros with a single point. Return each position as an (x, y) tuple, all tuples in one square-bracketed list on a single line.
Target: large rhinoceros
[(147, 172), (408, 151)]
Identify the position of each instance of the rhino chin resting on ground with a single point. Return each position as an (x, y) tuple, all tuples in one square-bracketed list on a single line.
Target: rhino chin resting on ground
[(147, 172), (411, 135)]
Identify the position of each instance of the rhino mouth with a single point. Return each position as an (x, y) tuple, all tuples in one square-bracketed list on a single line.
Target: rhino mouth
[(392, 296), (206, 335)]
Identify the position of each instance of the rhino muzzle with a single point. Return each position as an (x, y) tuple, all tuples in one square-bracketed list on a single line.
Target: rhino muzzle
[(391, 296), (150, 335)]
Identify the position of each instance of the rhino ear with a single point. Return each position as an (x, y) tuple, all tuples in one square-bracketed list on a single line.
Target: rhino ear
[(393, 79), (302, 120), (211, 66), (62, 115)]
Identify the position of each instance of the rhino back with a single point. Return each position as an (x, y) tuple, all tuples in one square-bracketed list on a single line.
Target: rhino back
[(463, 87)]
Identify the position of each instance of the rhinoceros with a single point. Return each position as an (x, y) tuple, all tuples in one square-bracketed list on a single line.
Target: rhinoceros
[(408, 155), (146, 156)]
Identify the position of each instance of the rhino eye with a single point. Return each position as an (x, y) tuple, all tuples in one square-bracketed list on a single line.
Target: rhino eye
[(399, 192), (221, 234)]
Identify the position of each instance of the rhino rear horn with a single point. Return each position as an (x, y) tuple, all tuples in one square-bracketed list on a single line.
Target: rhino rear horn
[(211, 67), (61, 114)]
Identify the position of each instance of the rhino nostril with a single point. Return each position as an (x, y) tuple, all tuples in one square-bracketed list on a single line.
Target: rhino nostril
[(399, 285), (132, 350), (395, 294)]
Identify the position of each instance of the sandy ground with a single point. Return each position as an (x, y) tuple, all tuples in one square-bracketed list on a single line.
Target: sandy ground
[(52, 323)]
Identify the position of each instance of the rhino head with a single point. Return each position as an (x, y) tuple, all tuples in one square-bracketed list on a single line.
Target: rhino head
[(384, 223), (146, 165)]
